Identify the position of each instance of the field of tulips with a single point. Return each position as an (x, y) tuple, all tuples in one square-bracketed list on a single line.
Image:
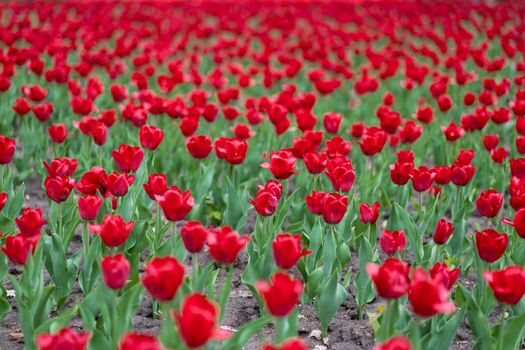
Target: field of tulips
[(269, 175)]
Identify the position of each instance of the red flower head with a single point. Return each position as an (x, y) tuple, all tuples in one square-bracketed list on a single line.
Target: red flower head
[(175, 204), (193, 236), (341, 173), (225, 244), (428, 296), (3, 199), (422, 178), (17, 247), (395, 343), (490, 141), (163, 277), (150, 136), (93, 181), (400, 172), (43, 111), (22, 106), (443, 231), (508, 284), (290, 344), (442, 273), (392, 242), (331, 122), (57, 133), (61, 167), (30, 222), (491, 245), (333, 207), (367, 214), (372, 141), (118, 184), (113, 231), (138, 341), (452, 132), (265, 202), (128, 158), (232, 150), (287, 250), (281, 295), (410, 132), (199, 146), (489, 203), (119, 93), (315, 162), (59, 188), (461, 175), (282, 164), (313, 202), (391, 279), (156, 186), (66, 338), (115, 271), (89, 207), (7, 149)]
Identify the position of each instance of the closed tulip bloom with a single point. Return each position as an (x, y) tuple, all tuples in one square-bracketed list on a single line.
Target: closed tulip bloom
[(265, 202), (367, 214), (128, 158), (59, 188), (395, 343), (443, 231), (115, 271), (61, 167), (461, 175), (390, 279), (290, 344), (118, 184), (93, 181), (139, 341), (287, 250), (281, 295), (193, 236), (333, 208), (314, 201), (199, 146), (422, 178), (489, 203), (331, 122), (7, 149), (393, 241), (197, 320), (508, 284), (341, 174), (156, 186), (442, 175), (315, 162), (163, 277), (66, 338), (275, 186), (428, 296), (232, 150), (3, 199), (113, 231), (400, 172), (517, 167), (491, 245), (372, 141), (30, 222), (452, 132), (225, 244), (281, 164), (17, 247), (410, 132), (57, 133), (175, 204), (490, 141), (441, 272), (22, 106), (89, 207), (150, 137)]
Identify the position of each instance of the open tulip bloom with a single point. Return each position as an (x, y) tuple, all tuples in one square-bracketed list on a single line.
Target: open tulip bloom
[(195, 175)]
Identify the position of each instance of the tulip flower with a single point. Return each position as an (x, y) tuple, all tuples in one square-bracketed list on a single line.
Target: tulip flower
[(61, 167), (391, 279), (281, 295), (139, 341), (3, 199), (281, 164), (113, 231), (128, 158), (57, 133), (7, 149), (508, 284), (491, 245), (150, 137), (367, 214), (156, 186), (428, 296), (66, 338), (290, 344), (193, 236), (441, 272), (287, 250), (175, 204), (395, 343), (341, 173), (333, 207), (89, 207), (199, 146), (331, 122), (518, 222), (93, 181), (443, 232), (115, 271), (118, 184), (225, 244), (30, 222), (489, 203), (232, 150), (163, 277), (265, 202), (17, 247), (315, 162), (393, 241), (59, 188)]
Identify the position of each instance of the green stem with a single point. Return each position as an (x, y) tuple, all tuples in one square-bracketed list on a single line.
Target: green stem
[(85, 240), (281, 328), (501, 339)]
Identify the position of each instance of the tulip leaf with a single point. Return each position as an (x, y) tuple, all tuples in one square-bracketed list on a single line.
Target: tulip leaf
[(241, 337), (443, 337), (331, 297), (514, 332), (412, 232)]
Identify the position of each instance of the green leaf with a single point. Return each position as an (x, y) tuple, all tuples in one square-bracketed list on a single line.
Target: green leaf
[(241, 337), (514, 332), (442, 338), (413, 233), (330, 299)]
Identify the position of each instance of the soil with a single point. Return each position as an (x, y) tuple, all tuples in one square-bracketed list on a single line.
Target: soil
[(346, 331)]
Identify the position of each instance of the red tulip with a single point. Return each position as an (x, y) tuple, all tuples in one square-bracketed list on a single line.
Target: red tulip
[(369, 215), (225, 244), (199, 146), (119, 93), (392, 242), (400, 172), (93, 181), (193, 236), (57, 132), (422, 178), (452, 132), (118, 184), (282, 164), (373, 140), (138, 341), (113, 231), (313, 202), (156, 186), (163, 277), (333, 207), (281, 295), (290, 344), (7, 149), (43, 111), (391, 279), (150, 136), (428, 296), (461, 175), (61, 167), (331, 122), (59, 188), (128, 158), (287, 250), (30, 222), (490, 141), (265, 202), (508, 284), (175, 204), (315, 162), (115, 271), (66, 338), (341, 173), (89, 207), (489, 203), (232, 150), (22, 106), (441, 272), (3, 199), (443, 231), (17, 247), (197, 320), (410, 132), (518, 223), (491, 245), (395, 343)]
